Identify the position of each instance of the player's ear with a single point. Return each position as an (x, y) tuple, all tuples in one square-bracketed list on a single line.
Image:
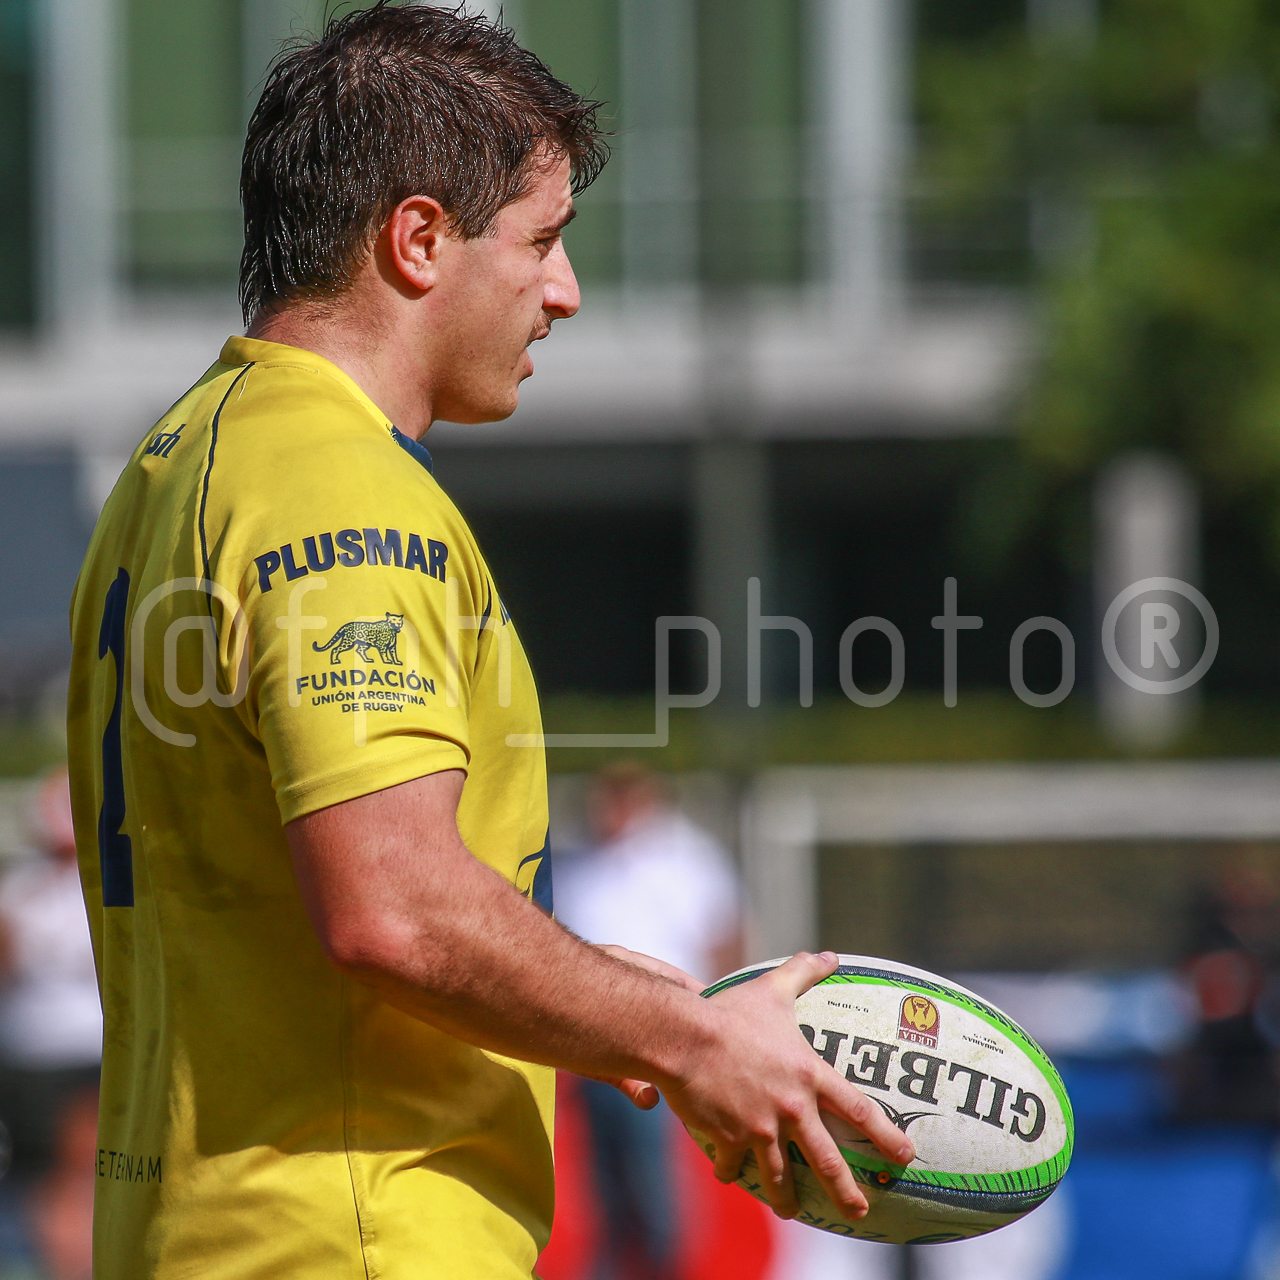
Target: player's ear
[(412, 240)]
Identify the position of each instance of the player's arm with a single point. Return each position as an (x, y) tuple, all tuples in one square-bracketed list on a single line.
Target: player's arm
[(401, 904)]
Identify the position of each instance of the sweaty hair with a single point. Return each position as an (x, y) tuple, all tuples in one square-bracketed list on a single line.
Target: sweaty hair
[(393, 102)]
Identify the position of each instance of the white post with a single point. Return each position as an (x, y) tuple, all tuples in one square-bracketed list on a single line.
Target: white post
[(860, 56), (731, 543), (78, 166), (780, 867), (658, 149), (1146, 525)]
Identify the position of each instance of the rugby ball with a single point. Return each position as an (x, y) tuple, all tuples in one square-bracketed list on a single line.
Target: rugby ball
[(988, 1114)]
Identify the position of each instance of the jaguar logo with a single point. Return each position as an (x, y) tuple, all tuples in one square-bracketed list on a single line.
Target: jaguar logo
[(362, 636)]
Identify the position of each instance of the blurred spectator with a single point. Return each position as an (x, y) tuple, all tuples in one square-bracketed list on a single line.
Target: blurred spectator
[(50, 1040), (1227, 1073), (655, 883)]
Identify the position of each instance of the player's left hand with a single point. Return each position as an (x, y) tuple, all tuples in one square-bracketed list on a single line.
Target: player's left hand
[(641, 1093)]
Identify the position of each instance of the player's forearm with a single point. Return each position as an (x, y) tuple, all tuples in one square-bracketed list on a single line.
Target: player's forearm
[(444, 937), (496, 972)]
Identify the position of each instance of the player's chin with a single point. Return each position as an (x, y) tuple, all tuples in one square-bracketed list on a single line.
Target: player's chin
[(490, 408), (490, 395)]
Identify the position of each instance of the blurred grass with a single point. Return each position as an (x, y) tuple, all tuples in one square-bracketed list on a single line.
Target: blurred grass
[(911, 729), (914, 728), (26, 748)]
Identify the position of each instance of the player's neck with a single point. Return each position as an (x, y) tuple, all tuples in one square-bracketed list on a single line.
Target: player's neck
[(381, 358)]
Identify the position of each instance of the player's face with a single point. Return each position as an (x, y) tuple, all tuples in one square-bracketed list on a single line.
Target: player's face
[(503, 291)]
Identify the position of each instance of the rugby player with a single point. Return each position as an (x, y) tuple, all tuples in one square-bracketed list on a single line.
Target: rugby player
[(315, 868)]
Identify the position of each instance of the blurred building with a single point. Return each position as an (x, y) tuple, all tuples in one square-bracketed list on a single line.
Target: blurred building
[(759, 313)]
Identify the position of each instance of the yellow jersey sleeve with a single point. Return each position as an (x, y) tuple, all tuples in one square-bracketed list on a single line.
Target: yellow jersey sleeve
[(369, 617)]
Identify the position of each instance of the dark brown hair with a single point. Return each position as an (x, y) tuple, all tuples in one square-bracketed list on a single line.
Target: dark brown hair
[(393, 102)]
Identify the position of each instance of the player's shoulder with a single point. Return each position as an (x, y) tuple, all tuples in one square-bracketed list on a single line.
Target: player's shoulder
[(305, 472), (267, 411), (293, 430), (295, 411)]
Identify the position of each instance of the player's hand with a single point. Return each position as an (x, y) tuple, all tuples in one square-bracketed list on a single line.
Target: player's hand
[(640, 1092), (760, 1086)]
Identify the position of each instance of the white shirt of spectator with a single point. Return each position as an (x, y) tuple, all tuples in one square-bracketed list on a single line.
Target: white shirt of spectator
[(50, 1013), (664, 888)]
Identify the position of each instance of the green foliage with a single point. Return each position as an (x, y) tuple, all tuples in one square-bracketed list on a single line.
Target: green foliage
[(1147, 154)]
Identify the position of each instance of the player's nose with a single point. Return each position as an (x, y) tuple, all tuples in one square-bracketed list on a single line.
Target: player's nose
[(560, 296)]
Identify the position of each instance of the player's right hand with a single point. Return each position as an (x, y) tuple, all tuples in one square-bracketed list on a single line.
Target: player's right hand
[(756, 1086)]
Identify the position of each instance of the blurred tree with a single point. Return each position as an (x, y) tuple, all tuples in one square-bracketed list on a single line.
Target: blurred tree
[(1139, 138)]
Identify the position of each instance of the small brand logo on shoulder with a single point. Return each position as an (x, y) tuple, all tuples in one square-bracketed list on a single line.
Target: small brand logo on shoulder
[(161, 444), (918, 1021)]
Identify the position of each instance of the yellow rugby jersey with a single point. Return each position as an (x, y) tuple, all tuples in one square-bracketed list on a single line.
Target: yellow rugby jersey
[(281, 610)]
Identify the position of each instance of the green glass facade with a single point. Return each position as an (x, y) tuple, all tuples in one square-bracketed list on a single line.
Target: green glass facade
[(17, 224), (751, 160), (183, 104), (748, 117), (578, 40), (183, 121)]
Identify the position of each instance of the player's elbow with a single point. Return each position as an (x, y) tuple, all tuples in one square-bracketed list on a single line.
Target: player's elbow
[(370, 944)]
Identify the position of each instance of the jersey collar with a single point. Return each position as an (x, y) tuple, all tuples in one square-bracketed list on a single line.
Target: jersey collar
[(418, 452)]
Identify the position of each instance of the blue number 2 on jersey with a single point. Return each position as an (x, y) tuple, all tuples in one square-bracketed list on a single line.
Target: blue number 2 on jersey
[(115, 850)]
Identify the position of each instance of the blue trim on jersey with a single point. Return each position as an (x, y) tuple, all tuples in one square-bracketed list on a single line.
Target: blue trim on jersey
[(208, 470), (415, 450), (540, 892)]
